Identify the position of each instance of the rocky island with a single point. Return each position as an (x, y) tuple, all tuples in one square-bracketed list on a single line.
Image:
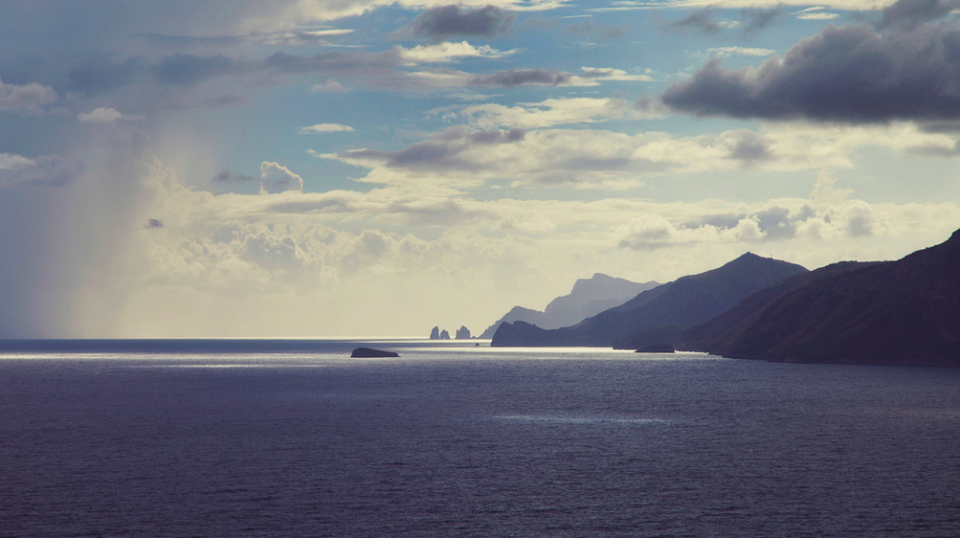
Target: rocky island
[(370, 353)]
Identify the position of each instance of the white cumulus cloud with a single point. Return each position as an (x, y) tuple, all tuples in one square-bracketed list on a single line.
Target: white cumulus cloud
[(276, 178), (26, 98), (325, 128)]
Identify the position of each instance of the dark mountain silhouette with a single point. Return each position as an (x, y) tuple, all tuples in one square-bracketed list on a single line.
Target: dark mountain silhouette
[(589, 297), (666, 309), (901, 312), (723, 330)]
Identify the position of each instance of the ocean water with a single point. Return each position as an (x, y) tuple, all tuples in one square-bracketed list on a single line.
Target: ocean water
[(296, 439)]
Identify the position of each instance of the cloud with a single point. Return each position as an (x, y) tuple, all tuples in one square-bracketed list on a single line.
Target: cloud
[(914, 12), (104, 115), (553, 112), (100, 115), (590, 76), (325, 128), (244, 256), (849, 74), (49, 170), (461, 158), (757, 19), (225, 176), (748, 146), (814, 14), (654, 231), (189, 69), (275, 178), (726, 52), (185, 80), (827, 215), (326, 10), (330, 86), (519, 77), (101, 74), (26, 98), (440, 22), (759, 5), (701, 21), (448, 52)]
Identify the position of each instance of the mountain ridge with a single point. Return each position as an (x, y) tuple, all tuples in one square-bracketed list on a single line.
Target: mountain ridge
[(588, 297), (684, 302), (899, 312)]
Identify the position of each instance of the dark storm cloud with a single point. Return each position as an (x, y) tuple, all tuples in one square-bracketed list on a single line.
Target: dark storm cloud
[(849, 74), (440, 22), (912, 12), (518, 77)]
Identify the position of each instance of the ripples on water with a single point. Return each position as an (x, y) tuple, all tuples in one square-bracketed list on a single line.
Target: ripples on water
[(474, 442)]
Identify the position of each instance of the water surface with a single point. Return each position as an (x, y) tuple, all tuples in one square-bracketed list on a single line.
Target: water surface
[(454, 440)]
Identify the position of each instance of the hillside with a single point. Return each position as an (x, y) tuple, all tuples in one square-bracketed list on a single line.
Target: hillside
[(685, 302), (722, 330), (902, 312)]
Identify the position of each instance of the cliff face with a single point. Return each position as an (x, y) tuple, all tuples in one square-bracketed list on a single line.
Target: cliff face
[(902, 312), (679, 304), (589, 297)]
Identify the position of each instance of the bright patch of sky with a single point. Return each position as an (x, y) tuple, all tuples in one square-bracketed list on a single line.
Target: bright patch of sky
[(319, 168)]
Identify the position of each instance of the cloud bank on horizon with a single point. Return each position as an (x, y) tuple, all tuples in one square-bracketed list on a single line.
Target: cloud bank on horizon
[(372, 168)]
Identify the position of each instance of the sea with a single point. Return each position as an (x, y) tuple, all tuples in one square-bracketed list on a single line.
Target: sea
[(293, 438)]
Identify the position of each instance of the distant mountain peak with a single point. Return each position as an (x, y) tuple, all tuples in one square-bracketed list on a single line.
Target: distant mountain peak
[(588, 297), (895, 312), (685, 302)]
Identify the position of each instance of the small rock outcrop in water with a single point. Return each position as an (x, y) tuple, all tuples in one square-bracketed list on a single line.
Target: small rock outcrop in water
[(657, 348), (444, 335), (463, 333), (435, 333), (367, 353)]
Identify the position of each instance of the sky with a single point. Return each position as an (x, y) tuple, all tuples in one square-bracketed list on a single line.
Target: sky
[(325, 168)]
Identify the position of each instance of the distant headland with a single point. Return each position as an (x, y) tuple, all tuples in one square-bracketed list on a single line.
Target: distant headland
[(904, 312)]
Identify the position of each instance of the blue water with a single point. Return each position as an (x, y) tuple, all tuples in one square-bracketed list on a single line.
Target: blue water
[(296, 439)]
